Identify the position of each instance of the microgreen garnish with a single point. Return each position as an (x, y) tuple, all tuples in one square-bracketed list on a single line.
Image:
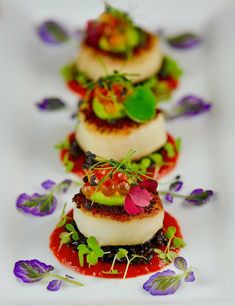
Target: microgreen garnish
[(184, 41), (42, 204), (167, 282), (92, 250), (31, 271), (174, 242), (51, 104), (170, 68), (188, 106), (53, 33), (63, 217), (122, 253), (68, 163)]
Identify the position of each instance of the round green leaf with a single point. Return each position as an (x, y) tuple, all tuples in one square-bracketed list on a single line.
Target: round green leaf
[(141, 105)]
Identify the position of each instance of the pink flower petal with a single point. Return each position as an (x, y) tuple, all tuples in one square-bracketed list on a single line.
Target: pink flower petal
[(150, 185), (130, 206), (140, 197)]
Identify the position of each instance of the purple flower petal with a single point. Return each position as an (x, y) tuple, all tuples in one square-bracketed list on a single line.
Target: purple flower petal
[(190, 277), (30, 271), (64, 185), (36, 204), (192, 105), (180, 263), (51, 32), (169, 198), (54, 285), (184, 41), (48, 184), (51, 104), (162, 283), (176, 186), (199, 196)]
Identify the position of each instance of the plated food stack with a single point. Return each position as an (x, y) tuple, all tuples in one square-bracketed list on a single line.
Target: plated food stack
[(112, 43), (118, 219)]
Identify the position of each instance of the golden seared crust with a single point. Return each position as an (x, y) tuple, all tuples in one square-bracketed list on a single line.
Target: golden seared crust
[(123, 126), (116, 213), (145, 61)]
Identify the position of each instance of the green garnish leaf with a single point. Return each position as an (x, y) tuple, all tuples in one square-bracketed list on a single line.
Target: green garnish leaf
[(82, 250), (64, 239), (170, 68), (157, 158), (178, 243), (72, 230), (92, 250), (141, 105), (68, 163), (122, 253), (171, 230), (169, 149), (178, 143)]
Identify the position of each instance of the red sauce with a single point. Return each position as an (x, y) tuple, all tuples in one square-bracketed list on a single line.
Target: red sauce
[(79, 160), (69, 258)]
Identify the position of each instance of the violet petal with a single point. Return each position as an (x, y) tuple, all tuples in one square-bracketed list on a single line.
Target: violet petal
[(37, 204), (176, 186), (51, 104), (169, 198), (190, 277), (184, 41), (199, 196), (48, 184), (54, 285), (64, 185), (53, 33), (30, 271), (180, 263), (162, 283), (192, 105)]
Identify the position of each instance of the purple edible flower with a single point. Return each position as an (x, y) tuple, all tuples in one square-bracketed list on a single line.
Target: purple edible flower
[(184, 41), (53, 33), (169, 198), (180, 263), (30, 271), (155, 284), (36, 204), (190, 277), (64, 185), (192, 105), (51, 104), (48, 184), (199, 196), (176, 186), (54, 285)]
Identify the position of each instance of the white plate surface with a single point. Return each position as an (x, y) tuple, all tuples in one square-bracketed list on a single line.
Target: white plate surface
[(29, 72)]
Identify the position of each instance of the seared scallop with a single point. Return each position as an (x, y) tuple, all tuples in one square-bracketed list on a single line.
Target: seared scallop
[(144, 63), (112, 228)]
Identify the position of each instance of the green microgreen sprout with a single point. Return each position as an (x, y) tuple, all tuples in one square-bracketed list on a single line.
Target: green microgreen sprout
[(92, 250), (174, 242), (68, 163), (63, 217), (65, 237)]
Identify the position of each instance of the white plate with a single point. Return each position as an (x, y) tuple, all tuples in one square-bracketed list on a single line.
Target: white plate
[(29, 71)]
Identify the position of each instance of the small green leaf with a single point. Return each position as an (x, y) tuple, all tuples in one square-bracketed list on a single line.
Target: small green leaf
[(92, 258), (171, 230), (93, 243), (157, 158), (169, 149), (64, 238), (172, 255), (158, 251), (170, 68), (178, 143), (162, 255), (178, 242), (71, 228), (63, 145), (82, 250), (61, 222), (121, 253), (141, 105)]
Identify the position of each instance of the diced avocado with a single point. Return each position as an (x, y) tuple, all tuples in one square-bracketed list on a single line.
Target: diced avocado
[(100, 111), (100, 198), (132, 36)]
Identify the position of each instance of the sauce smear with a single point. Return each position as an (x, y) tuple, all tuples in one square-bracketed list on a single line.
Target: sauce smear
[(69, 257), (79, 159)]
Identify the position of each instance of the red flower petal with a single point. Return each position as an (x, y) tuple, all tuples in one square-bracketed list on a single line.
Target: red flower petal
[(150, 185), (140, 197), (130, 206)]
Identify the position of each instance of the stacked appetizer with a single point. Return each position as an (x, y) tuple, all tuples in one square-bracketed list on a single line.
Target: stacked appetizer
[(113, 118), (114, 43), (118, 224)]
